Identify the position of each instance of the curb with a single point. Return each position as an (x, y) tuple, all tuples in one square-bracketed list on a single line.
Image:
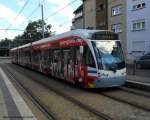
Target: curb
[(138, 85)]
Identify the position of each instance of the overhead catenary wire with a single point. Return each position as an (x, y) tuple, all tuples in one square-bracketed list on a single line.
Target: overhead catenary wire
[(29, 15), (21, 10), (53, 14), (65, 22)]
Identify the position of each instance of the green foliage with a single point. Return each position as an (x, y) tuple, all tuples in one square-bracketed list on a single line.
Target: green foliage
[(5, 43), (33, 32)]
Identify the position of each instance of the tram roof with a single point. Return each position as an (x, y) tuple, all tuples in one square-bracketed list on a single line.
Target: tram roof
[(22, 46), (84, 33), (14, 48)]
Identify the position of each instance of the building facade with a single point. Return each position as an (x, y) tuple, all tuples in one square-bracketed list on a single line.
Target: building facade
[(95, 14), (77, 22), (138, 28), (89, 7), (117, 19), (128, 18), (101, 14)]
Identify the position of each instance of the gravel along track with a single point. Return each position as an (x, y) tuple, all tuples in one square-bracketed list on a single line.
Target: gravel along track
[(116, 109), (136, 91), (63, 109), (130, 98)]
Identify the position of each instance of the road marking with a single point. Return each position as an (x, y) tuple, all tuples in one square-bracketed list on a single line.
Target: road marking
[(20, 103)]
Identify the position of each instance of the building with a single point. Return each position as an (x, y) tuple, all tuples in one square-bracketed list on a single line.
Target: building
[(138, 28), (101, 14), (117, 20), (77, 22), (95, 14), (128, 18)]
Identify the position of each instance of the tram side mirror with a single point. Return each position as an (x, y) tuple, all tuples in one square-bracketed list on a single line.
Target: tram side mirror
[(81, 49)]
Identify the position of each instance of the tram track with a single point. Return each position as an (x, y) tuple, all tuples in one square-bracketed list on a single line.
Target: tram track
[(29, 94), (99, 114), (130, 91), (135, 91), (133, 105)]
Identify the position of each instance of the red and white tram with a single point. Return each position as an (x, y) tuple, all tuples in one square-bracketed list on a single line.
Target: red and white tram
[(90, 58)]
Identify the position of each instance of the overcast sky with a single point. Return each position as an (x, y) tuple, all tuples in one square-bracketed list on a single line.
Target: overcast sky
[(9, 9)]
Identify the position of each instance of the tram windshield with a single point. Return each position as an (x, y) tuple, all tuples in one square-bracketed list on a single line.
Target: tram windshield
[(109, 54)]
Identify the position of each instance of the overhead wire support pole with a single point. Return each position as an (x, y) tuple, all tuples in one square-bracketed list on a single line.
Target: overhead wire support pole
[(42, 20)]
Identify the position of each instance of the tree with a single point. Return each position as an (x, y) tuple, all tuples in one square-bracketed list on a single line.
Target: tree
[(18, 40), (33, 31), (5, 43)]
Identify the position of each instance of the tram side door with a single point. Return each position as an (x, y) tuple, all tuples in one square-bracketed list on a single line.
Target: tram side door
[(77, 62), (66, 53)]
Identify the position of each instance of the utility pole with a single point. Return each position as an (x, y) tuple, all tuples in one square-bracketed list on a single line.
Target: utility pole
[(42, 20)]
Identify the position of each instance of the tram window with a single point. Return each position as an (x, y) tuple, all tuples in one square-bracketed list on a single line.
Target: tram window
[(50, 55), (56, 55), (89, 60), (36, 55), (66, 53), (45, 57)]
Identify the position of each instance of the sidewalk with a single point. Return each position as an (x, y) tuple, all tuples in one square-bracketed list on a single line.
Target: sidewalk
[(138, 82), (12, 105), (138, 78)]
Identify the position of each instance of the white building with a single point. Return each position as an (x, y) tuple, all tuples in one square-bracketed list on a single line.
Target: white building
[(138, 28)]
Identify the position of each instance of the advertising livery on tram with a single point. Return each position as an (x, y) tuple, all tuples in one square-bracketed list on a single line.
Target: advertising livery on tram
[(89, 58)]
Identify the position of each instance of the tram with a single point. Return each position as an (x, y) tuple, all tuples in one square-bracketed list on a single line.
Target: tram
[(89, 58)]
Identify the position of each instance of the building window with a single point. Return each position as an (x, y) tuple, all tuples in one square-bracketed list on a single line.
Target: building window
[(138, 25), (117, 28), (101, 6), (138, 46), (116, 10), (139, 6)]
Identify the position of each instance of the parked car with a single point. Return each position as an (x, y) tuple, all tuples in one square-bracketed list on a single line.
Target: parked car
[(144, 61)]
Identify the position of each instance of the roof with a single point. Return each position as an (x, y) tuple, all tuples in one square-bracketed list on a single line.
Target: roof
[(14, 48), (83, 33), (80, 8), (24, 46)]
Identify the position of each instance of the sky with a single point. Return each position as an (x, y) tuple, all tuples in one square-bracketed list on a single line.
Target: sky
[(60, 22)]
